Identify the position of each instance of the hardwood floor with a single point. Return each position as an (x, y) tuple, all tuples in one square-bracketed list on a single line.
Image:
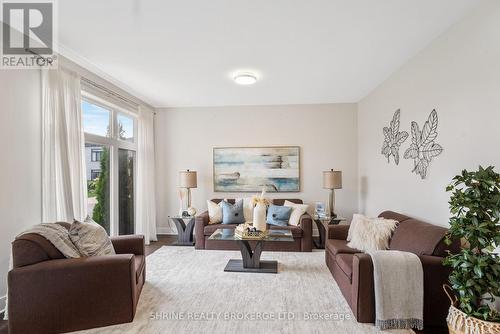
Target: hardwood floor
[(167, 240), (163, 240)]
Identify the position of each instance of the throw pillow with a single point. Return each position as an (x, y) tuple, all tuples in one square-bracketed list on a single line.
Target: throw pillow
[(214, 212), (278, 215), (354, 224), (247, 208), (369, 234), (90, 238), (232, 213), (297, 211)]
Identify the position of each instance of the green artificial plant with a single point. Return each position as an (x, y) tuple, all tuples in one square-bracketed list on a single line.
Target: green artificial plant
[(475, 209)]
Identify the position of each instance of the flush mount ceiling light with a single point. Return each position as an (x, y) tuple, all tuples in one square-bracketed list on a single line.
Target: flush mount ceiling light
[(245, 78)]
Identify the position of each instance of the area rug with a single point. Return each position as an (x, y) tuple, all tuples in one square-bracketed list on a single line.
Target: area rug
[(187, 291)]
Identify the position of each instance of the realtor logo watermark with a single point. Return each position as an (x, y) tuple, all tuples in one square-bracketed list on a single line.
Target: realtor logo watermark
[(28, 35)]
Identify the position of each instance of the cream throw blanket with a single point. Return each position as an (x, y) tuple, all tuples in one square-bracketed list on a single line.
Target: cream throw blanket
[(58, 236), (399, 289)]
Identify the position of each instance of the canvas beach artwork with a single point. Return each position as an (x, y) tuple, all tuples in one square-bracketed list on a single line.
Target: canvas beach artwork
[(249, 169)]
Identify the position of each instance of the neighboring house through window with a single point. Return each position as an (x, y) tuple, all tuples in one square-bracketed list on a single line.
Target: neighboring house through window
[(110, 150)]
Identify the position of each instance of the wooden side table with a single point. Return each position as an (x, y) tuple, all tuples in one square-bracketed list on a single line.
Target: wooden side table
[(184, 231), (322, 223)]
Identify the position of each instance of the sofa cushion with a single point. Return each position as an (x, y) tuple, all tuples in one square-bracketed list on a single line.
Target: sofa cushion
[(139, 262), (278, 215), (369, 234), (297, 211), (281, 201), (90, 238), (393, 215), (344, 261), (214, 212), (417, 237), (336, 246), (232, 213)]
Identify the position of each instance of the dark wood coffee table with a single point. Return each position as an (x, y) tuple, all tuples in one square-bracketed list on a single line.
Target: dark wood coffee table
[(250, 262)]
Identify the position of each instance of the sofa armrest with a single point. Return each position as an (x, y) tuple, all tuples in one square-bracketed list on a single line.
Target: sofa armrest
[(129, 244), (199, 230), (436, 303), (306, 226), (363, 293), (338, 232), (70, 290)]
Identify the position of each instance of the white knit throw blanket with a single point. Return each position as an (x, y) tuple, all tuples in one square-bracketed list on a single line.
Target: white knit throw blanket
[(399, 290)]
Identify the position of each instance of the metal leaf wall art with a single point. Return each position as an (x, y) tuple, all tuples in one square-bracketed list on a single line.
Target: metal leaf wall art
[(393, 139), (423, 146)]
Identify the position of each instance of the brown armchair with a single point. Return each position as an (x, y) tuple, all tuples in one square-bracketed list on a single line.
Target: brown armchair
[(49, 293), (353, 270)]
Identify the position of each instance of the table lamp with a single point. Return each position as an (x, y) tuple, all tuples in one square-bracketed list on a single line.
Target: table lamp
[(332, 179), (188, 180)]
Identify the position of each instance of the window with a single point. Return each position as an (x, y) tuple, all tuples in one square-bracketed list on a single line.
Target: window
[(126, 161), (95, 119), (94, 174), (98, 185), (96, 154), (110, 150), (125, 128)]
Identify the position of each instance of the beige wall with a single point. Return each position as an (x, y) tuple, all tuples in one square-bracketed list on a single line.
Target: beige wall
[(20, 169), (459, 75), (185, 137)]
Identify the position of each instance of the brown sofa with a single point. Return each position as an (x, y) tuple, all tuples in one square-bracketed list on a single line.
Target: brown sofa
[(353, 270), (49, 293), (302, 234)]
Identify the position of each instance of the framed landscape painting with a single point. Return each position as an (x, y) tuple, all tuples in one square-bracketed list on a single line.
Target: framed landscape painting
[(249, 169)]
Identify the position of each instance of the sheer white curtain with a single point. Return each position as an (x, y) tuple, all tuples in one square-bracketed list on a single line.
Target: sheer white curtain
[(64, 185), (146, 192)]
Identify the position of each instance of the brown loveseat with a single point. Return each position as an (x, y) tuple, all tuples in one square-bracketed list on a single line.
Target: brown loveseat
[(302, 234), (49, 293), (353, 270)]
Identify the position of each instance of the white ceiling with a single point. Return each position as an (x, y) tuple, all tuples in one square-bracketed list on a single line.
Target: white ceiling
[(183, 52)]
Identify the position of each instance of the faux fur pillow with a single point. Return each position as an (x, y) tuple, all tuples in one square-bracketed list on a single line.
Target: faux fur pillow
[(367, 234)]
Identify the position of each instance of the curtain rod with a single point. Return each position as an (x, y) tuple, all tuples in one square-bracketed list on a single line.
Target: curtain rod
[(108, 91), (98, 86)]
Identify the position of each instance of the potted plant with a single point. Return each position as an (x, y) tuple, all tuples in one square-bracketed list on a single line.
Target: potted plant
[(475, 276)]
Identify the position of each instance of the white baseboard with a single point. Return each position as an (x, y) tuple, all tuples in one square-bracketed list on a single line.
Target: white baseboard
[(3, 299)]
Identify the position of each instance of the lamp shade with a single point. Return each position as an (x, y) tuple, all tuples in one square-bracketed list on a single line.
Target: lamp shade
[(332, 179), (187, 179)]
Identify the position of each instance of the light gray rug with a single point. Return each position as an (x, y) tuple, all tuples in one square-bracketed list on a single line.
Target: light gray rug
[(187, 291)]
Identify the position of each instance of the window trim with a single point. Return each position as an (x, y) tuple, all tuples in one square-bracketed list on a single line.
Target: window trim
[(114, 144)]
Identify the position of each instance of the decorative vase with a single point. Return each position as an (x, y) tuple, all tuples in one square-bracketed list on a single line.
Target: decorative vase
[(259, 217), (191, 211)]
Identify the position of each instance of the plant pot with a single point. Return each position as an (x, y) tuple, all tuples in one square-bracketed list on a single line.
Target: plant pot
[(259, 217), (461, 323)]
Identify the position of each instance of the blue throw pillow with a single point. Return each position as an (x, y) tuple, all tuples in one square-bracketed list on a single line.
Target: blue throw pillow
[(232, 213), (278, 215)]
